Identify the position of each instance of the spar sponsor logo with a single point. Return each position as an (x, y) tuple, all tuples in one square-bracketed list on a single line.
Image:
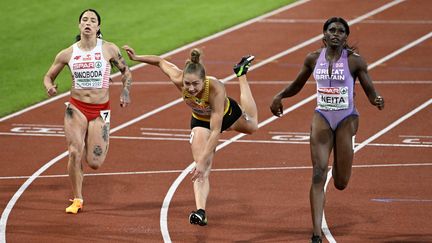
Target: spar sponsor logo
[(329, 90), (83, 65)]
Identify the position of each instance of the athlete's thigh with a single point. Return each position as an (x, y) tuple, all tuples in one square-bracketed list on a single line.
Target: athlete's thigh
[(244, 124), (321, 141), (75, 127), (97, 139), (345, 133), (199, 138)]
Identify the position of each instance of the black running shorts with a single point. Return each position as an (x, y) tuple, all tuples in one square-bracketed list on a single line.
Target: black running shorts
[(233, 114)]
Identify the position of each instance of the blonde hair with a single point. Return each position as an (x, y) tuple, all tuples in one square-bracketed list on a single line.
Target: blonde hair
[(194, 65)]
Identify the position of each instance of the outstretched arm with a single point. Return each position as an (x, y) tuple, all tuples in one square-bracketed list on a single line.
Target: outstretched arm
[(59, 62), (361, 71), (118, 61), (171, 70), (276, 106)]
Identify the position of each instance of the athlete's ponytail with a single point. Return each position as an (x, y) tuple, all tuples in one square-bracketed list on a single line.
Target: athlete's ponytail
[(98, 33), (194, 65)]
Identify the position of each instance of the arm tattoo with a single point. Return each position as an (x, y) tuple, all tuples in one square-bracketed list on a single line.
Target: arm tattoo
[(121, 66), (128, 82)]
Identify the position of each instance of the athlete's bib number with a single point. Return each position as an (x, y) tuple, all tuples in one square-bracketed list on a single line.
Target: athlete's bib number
[(333, 98), (106, 115)]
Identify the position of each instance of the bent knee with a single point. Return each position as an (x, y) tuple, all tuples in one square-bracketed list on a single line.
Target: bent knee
[(341, 184), (94, 166), (319, 175), (96, 158), (75, 154), (95, 162), (251, 129)]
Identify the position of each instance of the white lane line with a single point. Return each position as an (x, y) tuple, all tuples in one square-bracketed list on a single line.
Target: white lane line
[(16, 196), (57, 97), (153, 172), (390, 200), (185, 138), (284, 82), (320, 21), (410, 45), (394, 124), (36, 125), (325, 228), (185, 47)]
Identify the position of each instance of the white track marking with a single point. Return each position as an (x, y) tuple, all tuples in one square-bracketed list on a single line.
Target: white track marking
[(394, 124), (35, 125), (126, 173), (387, 200), (57, 97), (283, 82), (325, 228), (185, 138), (397, 52), (320, 21)]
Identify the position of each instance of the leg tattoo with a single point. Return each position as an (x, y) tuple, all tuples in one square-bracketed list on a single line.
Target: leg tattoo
[(97, 150), (105, 132), (69, 112)]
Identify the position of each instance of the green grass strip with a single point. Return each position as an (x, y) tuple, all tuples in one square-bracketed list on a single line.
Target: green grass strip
[(33, 32)]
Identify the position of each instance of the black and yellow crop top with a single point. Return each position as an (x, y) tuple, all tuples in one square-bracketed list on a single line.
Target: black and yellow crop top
[(201, 108)]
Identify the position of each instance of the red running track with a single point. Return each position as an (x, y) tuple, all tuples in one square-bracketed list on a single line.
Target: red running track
[(260, 183)]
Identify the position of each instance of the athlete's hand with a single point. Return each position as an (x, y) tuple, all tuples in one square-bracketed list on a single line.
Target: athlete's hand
[(125, 98), (52, 91), (379, 102), (276, 106), (198, 172), (130, 52)]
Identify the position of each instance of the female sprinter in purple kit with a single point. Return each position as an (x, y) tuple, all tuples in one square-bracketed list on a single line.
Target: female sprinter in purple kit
[(335, 68)]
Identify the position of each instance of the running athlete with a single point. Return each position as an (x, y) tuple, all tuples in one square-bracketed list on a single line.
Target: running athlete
[(335, 68), (87, 116), (212, 113)]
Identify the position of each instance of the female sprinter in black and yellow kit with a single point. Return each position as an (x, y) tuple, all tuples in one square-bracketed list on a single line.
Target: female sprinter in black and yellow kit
[(212, 113)]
